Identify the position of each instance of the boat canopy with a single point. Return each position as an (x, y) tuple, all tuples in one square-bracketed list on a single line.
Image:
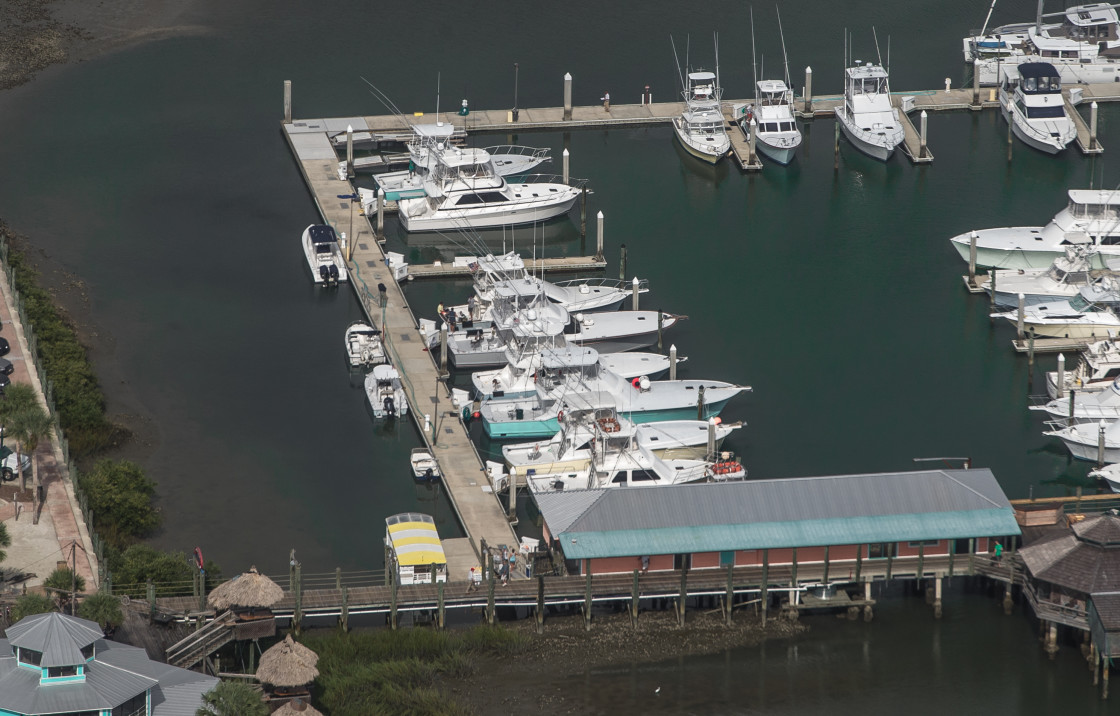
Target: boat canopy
[(1094, 196), (385, 372), (439, 130), (701, 76), (866, 71), (1094, 14), (1039, 77), (514, 289), (414, 540), (772, 86), (569, 357), (458, 157), (322, 234)]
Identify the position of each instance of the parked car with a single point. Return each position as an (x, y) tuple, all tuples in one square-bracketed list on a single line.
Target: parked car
[(9, 467), (5, 349), (6, 366)]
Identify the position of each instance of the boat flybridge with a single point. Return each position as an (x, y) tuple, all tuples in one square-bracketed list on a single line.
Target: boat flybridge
[(700, 127), (1062, 280), (1084, 46), (324, 254), (869, 120), (1097, 368), (1031, 100), (772, 116), (1090, 220), (462, 189)]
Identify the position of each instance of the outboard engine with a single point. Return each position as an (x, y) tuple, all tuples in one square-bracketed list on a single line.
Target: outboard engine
[(429, 475), (334, 273), (324, 273), (558, 485), (389, 406)]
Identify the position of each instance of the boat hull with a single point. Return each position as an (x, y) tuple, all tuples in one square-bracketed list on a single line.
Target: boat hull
[(875, 151), (712, 157), (781, 155), (1044, 145), (452, 220), (1088, 451), (547, 427), (989, 257), (1070, 330)]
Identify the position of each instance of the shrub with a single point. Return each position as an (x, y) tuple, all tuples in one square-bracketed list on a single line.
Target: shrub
[(30, 604), (103, 608), (120, 496), (232, 698)]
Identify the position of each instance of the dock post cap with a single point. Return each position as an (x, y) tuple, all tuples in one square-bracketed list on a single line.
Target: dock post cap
[(808, 70), (567, 75), (974, 235), (565, 152), (923, 114), (381, 192), (1021, 296), (636, 281), (1093, 104), (349, 128), (600, 215)]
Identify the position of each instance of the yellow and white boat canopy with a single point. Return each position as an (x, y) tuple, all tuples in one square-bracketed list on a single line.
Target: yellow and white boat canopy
[(413, 538)]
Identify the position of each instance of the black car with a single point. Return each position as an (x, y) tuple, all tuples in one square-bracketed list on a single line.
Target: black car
[(5, 349), (6, 366), (5, 381)]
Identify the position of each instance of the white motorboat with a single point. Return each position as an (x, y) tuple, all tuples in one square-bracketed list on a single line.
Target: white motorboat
[(1062, 280), (1089, 314), (570, 449), (1083, 440), (1088, 407), (1110, 474), (867, 117), (324, 254), (1084, 47), (772, 116), (571, 378), (385, 392), (518, 378), (363, 345), (520, 320), (619, 331), (700, 128), (1030, 99), (1091, 220), (424, 465), (462, 189), (1096, 369)]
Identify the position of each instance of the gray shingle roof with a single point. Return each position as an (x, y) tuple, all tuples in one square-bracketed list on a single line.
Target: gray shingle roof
[(757, 514), (60, 638), (1084, 558)]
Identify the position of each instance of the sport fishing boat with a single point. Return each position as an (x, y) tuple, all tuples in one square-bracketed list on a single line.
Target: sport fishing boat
[(518, 378), (1087, 407), (1030, 99), (324, 254), (700, 128), (385, 392), (1096, 369), (571, 378), (1110, 474), (1083, 440), (1091, 221), (867, 117), (1083, 47), (1089, 314), (1062, 280), (619, 331), (363, 345), (570, 449), (462, 189), (772, 116)]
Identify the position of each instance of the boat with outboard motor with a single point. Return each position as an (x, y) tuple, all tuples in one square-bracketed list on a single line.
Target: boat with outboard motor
[(1090, 220), (386, 392), (1031, 101), (363, 345), (324, 254)]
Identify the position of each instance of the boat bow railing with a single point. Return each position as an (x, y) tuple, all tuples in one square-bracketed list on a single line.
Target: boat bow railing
[(518, 150), (615, 283), (551, 179)]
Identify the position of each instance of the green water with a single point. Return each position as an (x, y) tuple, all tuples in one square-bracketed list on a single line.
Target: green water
[(158, 176)]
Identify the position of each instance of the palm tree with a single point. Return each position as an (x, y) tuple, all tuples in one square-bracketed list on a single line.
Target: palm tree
[(35, 424), (60, 581), (103, 608), (232, 698), (5, 541)]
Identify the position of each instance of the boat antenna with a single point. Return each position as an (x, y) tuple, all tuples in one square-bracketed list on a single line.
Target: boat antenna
[(876, 36), (677, 59), (386, 102), (782, 34), (754, 64)]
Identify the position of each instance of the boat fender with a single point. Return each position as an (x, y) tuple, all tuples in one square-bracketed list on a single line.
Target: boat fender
[(560, 415), (636, 382)]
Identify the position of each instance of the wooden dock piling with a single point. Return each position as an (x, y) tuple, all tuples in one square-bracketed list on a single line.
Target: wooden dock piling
[(673, 362), (634, 592), (567, 96), (567, 157), (287, 101), (622, 262), (1061, 375), (808, 91)]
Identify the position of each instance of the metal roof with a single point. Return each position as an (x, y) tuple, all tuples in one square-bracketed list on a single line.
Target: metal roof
[(58, 637), (764, 514)]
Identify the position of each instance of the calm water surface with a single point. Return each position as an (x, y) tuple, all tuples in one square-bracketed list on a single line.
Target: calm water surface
[(158, 175)]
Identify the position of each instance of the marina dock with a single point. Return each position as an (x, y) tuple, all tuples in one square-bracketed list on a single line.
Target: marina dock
[(429, 398)]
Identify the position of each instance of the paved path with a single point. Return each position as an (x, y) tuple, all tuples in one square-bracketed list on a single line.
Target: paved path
[(37, 548)]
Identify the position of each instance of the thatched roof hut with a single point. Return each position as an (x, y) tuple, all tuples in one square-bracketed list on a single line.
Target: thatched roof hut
[(297, 707), (251, 589), (288, 665)]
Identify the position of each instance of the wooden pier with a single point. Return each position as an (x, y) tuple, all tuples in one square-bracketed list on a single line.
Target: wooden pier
[(464, 476)]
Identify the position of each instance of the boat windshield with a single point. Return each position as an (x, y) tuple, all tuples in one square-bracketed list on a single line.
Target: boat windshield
[(1078, 303), (1056, 273), (1106, 212), (1046, 112)]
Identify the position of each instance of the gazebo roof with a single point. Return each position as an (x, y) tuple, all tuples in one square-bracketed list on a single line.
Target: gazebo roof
[(251, 589), (297, 707), (1085, 559), (288, 663)]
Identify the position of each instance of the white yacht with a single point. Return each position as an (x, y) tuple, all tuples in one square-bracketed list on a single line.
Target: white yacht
[(363, 345), (1110, 474), (1087, 407), (1090, 220), (518, 377), (1083, 440), (772, 114), (1096, 369), (869, 120), (1084, 47), (700, 127), (570, 449), (1062, 280), (386, 393), (1030, 99), (324, 254), (462, 189), (1090, 314)]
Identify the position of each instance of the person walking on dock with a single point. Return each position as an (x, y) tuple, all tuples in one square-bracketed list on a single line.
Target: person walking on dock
[(999, 552), (607, 101)]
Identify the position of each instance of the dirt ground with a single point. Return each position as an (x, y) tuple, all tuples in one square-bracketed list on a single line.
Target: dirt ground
[(565, 649)]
